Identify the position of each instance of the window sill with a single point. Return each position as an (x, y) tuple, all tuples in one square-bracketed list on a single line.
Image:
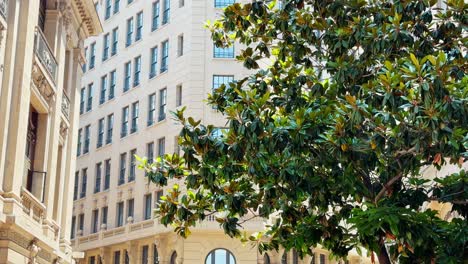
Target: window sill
[(156, 123), (126, 184), (105, 102)]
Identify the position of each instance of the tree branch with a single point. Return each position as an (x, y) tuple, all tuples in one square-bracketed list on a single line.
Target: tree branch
[(386, 186)]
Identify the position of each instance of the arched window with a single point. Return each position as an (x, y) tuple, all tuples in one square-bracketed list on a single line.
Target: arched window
[(266, 259), (174, 257), (220, 256), (284, 258)]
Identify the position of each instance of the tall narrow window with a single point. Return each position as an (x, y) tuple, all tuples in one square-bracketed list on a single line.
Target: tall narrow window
[(176, 145), (115, 41), (110, 128), (100, 139), (108, 9), (144, 254), (162, 104), (139, 26), (180, 45), (105, 47), (123, 168), (117, 257), (178, 95), (95, 221), (158, 194), (73, 227), (102, 97), (223, 52), (150, 152), (124, 130), (147, 212), (89, 106), (128, 73), (86, 58), (113, 77), (129, 32), (165, 56), (161, 147), (322, 258), (107, 173), (137, 71), (82, 100), (75, 186), (135, 114), (116, 6), (154, 62), (166, 11), (181, 3), (78, 149), (120, 214), (104, 212), (131, 176), (155, 22), (92, 55), (130, 208), (155, 254), (97, 183), (81, 223), (151, 108), (84, 181), (87, 139)]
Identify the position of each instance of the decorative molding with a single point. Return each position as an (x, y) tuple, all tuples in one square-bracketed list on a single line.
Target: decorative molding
[(25, 243)]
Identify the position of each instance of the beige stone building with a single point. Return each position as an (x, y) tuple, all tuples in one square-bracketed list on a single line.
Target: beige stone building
[(41, 52)]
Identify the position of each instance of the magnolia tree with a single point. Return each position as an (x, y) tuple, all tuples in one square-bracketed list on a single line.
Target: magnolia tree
[(329, 137)]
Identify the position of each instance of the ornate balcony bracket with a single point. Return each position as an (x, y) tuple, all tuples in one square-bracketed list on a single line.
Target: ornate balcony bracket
[(65, 105), (3, 12)]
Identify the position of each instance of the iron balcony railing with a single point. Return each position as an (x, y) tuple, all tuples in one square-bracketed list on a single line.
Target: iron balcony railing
[(4, 8), (66, 105), (44, 53)]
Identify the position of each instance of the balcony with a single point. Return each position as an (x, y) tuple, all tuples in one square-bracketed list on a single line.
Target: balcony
[(3, 13), (45, 55), (32, 206)]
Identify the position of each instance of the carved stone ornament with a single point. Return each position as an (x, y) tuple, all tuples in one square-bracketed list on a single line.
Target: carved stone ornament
[(33, 251), (42, 84), (63, 130)]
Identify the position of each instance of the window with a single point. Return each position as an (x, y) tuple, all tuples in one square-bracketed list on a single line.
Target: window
[(129, 1), (78, 149), (92, 56), (159, 194), (75, 187), (84, 179), (113, 77), (139, 26), (81, 223), (174, 258), (130, 207), (104, 212), (110, 128), (89, 106), (180, 45), (150, 152), (135, 110), (151, 108), (155, 22), (95, 221), (102, 97), (266, 259), (108, 9), (144, 254), (129, 32), (284, 258), (116, 6), (219, 80), (295, 256), (155, 255), (137, 71), (115, 41), (154, 62), (131, 176), (223, 3), (227, 52), (124, 130), (176, 145), (86, 56), (127, 257), (128, 73), (162, 104), (120, 208), (105, 44), (322, 258), (82, 100), (178, 95), (107, 171), (181, 3), (117, 257), (166, 9), (86, 140), (92, 260), (161, 146), (123, 168), (147, 212), (73, 227), (220, 256), (165, 56), (97, 183)]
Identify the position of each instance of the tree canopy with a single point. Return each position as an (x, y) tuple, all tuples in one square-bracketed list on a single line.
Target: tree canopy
[(348, 102)]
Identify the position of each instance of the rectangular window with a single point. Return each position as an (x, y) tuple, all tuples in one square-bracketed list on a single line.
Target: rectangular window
[(89, 106), (107, 173), (147, 212), (115, 41), (176, 145), (150, 152), (82, 100), (151, 108), (139, 26), (128, 73), (155, 22), (86, 58), (120, 214), (92, 55), (161, 147), (108, 9), (95, 221), (100, 139), (92, 259), (165, 56), (102, 97), (223, 3), (84, 180), (117, 257), (154, 62), (135, 114), (130, 208), (166, 8), (97, 183), (322, 258), (78, 149), (162, 104), (180, 45), (87, 139), (123, 168), (223, 52), (116, 6), (124, 130), (219, 80), (110, 128), (129, 32), (113, 77), (158, 195), (75, 186), (131, 176), (104, 212), (105, 45), (81, 223), (137, 71), (181, 3), (144, 254), (73, 227), (178, 95)]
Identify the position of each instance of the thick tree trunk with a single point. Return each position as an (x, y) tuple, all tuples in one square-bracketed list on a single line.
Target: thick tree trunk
[(383, 254)]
